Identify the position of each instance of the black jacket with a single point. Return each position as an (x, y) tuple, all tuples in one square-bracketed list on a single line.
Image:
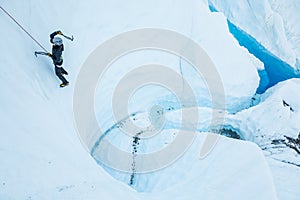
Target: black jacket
[(56, 50)]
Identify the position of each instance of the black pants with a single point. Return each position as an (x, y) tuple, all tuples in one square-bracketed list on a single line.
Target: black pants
[(59, 71)]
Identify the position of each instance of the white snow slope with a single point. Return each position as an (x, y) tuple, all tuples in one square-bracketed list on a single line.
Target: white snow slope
[(40, 151)]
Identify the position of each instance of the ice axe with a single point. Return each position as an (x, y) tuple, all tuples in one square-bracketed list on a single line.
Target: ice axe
[(41, 53), (69, 38)]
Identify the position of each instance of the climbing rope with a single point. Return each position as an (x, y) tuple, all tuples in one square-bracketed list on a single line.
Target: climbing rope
[(23, 28)]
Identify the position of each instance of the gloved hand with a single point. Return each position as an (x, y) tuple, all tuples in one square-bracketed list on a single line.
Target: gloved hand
[(59, 32), (49, 54)]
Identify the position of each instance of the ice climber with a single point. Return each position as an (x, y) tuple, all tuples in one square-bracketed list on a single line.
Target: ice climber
[(57, 49)]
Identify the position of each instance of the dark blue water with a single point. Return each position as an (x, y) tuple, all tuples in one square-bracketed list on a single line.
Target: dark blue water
[(275, 71)]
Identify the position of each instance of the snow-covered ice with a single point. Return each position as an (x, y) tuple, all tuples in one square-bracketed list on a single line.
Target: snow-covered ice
[(41, 153), (259, 20)]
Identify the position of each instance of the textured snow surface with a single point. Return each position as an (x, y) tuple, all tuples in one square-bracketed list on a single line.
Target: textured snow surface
[(289, 11), (268, 27), (41, 153)]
